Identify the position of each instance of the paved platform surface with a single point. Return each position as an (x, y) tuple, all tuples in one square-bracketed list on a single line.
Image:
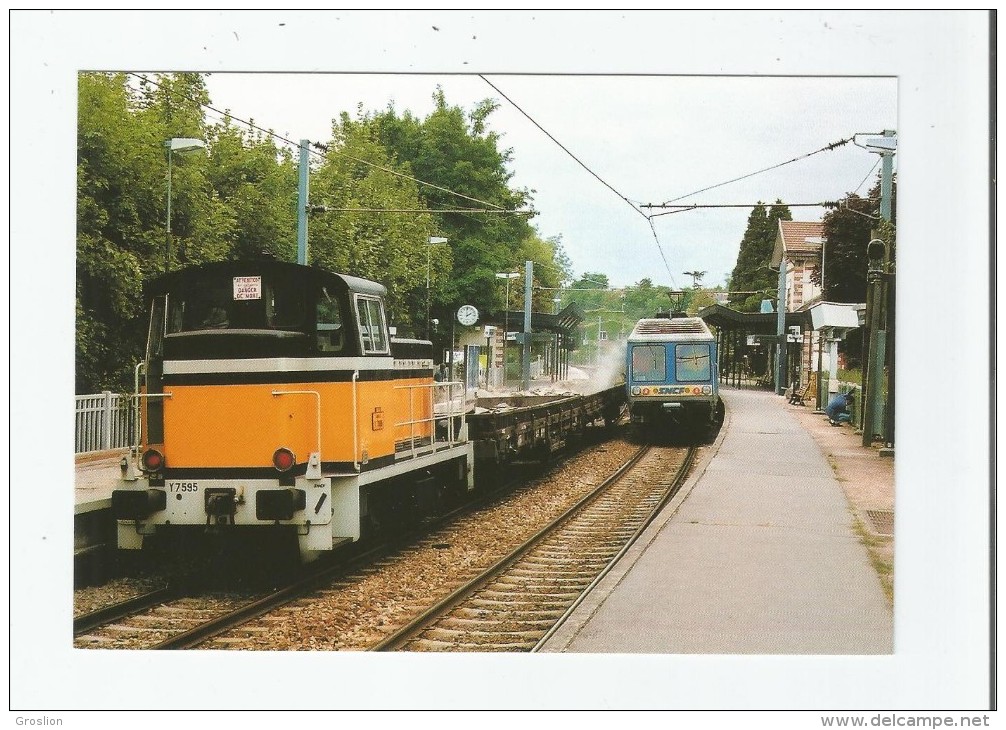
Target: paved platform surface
[(758, 554), (96, 475)]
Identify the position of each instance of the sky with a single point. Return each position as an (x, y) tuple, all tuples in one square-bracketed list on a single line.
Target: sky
[(700, 97), (651, 138)]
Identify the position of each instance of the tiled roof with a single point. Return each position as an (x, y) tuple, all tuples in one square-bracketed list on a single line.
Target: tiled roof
[(799, 237)]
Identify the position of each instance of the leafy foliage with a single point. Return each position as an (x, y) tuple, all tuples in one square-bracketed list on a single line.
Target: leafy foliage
[(848, 230), (239, 200), (453, 153), (753, 278)]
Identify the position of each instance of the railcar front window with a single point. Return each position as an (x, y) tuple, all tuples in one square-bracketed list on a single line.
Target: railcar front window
[(691, 363), (649, 364)]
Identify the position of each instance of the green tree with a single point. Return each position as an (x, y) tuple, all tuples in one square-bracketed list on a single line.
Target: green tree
[(847, 231), (590, 291), (256, 183), (457, 153), (358, 174), (122, 236), (551, 268), (752, 273), (118, 179)]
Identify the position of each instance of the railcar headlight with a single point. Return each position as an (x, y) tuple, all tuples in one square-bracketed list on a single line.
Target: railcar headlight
[(707, 389), (634, 390), (283, 459), (152, 460)]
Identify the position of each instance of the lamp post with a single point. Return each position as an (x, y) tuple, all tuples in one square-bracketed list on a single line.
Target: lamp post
[(506, 313), (180, 145), (434, 240)]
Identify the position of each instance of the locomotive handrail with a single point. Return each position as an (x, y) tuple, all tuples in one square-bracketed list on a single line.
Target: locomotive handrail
[(356, 437), (137, 424), (451, 414), (135, 449), (317, 397)]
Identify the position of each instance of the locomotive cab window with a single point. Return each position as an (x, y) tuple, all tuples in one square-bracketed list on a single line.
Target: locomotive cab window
[(373, 331), (284, 306), (155, 333), (691, 363), (649, 364), (331, 333), (236, 303)]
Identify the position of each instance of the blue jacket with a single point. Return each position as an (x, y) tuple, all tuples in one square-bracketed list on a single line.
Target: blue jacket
[(838, 404)]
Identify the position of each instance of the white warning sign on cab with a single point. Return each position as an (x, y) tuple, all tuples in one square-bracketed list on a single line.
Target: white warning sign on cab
[(247, 287)]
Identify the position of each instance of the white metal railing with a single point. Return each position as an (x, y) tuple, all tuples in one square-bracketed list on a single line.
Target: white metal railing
[(445, 401), (103, 421)]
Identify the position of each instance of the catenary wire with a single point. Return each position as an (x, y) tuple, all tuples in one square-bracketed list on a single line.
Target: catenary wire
[(563, 147), (826, 148), (875, 164)]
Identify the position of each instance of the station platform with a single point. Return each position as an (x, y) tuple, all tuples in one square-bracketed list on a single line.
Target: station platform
[(757, 554), (96, 474)]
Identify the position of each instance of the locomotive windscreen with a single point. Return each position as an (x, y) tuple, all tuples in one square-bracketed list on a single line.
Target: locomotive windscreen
[(220, 302)]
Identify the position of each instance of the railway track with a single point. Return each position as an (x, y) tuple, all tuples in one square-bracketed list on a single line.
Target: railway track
[(163, 621), (518, 601), (121, 610)]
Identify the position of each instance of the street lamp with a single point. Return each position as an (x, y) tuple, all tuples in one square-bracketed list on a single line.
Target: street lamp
[(434, 240), (506, 313), (180, 145)]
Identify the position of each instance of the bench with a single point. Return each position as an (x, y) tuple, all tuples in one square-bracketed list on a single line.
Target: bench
[(799, 397)]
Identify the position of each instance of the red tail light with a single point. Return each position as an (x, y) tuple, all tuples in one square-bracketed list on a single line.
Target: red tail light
[(153, 460), (283, 459)]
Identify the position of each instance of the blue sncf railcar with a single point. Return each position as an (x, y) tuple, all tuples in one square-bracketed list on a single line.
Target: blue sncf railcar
[(671, 375)]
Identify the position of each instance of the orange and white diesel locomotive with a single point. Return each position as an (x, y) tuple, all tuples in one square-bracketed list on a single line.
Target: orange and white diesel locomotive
[(273, 398)]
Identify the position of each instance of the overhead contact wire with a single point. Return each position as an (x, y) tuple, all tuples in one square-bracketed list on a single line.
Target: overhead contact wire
[(561, 145), (826, 148), (584, 166)]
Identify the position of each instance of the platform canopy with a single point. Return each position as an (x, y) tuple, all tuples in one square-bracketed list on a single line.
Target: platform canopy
[(755, 323), (748, 342), (564, 324)]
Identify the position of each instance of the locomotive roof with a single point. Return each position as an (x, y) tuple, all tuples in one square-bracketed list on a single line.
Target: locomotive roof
[(678, 328), (342, 282)]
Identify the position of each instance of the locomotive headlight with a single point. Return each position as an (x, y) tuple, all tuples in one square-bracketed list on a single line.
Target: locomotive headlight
[(634, 390), (283, 459), (152, 460)]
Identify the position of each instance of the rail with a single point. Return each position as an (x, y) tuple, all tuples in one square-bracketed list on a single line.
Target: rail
[(103, 421)]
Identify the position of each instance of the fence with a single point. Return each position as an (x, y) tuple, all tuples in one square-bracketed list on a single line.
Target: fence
[(103, 421)]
